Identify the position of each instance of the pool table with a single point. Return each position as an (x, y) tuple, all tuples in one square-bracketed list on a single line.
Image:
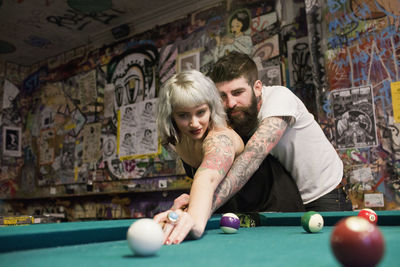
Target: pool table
[(277, 240)]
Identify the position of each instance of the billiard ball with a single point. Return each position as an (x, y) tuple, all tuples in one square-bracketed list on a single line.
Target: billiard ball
[(229, 223), (356, 242), (312, 222), (145, 237), (368, 214)]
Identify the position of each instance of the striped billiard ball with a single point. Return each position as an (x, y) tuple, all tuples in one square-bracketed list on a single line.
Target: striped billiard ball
[(312, 222), (368, 214), (229, 223)]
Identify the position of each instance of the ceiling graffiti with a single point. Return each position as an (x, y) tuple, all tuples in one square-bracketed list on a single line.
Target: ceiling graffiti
[(32, 31)]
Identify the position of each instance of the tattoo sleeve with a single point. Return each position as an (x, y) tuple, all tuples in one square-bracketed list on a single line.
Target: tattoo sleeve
[(218, 154), (267, 135)]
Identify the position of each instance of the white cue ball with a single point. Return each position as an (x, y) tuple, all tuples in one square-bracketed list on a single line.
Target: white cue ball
[(145, 237)]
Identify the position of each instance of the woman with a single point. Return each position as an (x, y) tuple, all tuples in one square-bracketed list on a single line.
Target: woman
[(192, 120)]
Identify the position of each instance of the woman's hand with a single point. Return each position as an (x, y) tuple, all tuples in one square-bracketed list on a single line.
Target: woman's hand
[(181, 202), (176, 232)]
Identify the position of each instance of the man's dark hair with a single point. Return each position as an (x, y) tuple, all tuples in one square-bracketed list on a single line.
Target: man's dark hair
[(233, 66)]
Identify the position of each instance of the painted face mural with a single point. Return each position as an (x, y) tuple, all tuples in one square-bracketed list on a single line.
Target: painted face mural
[(133, 75)]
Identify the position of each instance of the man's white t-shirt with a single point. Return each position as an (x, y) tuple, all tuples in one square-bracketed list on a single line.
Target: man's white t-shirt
[(304, 149)]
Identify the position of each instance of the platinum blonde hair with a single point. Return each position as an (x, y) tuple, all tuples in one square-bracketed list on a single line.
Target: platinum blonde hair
[(189, 88)]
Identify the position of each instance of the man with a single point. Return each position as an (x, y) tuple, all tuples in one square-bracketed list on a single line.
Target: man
[(276, 122)]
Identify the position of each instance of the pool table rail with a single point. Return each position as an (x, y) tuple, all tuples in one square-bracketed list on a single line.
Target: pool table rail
[(35, 236)]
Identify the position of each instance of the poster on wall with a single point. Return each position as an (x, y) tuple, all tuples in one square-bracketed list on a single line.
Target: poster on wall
[(46, 146), (137, 131), (10, 91), (395, 90), (91, 142), (87, 89), (11, 141), (266, 50), (354, 115), (270, 75), (300, 66), (189, 61)]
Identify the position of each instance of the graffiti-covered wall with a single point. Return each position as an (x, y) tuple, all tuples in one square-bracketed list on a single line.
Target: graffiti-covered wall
[(361, 51), (85, 122)]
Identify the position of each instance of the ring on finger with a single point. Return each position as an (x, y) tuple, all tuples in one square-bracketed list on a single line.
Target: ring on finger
[(173, 217)]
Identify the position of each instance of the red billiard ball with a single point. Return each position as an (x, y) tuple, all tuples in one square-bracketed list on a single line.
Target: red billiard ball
[(356, 242), (368, 214)]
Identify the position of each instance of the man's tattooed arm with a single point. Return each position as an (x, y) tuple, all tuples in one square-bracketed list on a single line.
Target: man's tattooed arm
[(267, 135)]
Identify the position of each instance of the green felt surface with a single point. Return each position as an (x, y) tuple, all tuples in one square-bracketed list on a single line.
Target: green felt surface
[(269, 245), (260, 246)]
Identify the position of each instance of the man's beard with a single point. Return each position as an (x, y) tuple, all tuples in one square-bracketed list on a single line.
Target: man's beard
[(244, 125)]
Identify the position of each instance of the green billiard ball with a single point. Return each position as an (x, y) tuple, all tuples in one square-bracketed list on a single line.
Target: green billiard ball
[(312, 222)]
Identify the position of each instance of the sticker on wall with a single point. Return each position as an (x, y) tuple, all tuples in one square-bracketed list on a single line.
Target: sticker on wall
[(266, 50), (65, 169), (395, 89), (266, 21), (10, 91), (46, 146), (363, 178), (87, 89), (11, 141), (91, 142), (354, 115), (108, 100), (109, 146), (270, 75), (374, 200)]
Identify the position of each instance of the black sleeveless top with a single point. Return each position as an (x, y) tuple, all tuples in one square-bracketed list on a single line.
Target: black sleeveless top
[(271, 188)]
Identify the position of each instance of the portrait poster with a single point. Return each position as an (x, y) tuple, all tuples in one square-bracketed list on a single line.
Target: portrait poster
[(11, 141), (137, 131), (354, 115)]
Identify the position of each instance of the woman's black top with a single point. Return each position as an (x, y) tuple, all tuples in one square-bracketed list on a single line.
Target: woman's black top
[(271, 188)]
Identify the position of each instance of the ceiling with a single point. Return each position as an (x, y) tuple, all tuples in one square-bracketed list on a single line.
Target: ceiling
[(34, 30)]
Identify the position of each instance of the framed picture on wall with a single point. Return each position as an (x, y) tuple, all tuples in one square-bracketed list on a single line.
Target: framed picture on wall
[(11, 141), (189, 60)]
